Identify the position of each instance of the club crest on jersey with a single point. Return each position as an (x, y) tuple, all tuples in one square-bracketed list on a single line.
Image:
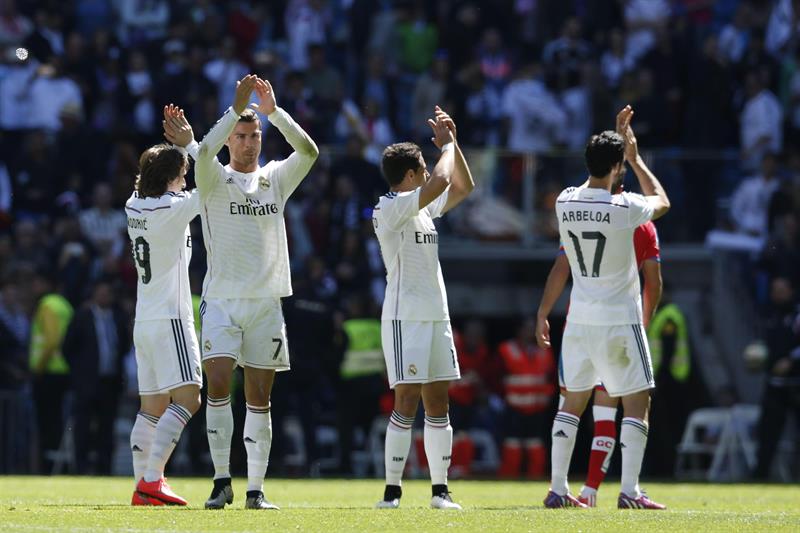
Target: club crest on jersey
[(263, 183), (207, 345), (412, 369), (228, 180)]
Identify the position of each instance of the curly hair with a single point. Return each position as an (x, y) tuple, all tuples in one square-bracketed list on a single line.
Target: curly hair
[(158, 166), (398, 159)]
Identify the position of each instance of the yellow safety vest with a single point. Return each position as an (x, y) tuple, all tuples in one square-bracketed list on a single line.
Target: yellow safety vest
[(670, 316), (364, 355), (52, 305)]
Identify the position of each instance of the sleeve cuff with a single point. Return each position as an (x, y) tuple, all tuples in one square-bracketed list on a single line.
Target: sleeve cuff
[(192, 149)]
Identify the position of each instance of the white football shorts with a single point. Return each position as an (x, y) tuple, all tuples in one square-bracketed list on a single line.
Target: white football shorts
[(250, 330), (619, 356), (419, 352), (167, 355)]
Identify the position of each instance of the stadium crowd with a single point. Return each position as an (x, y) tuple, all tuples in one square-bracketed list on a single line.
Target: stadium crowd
[(520, 75)]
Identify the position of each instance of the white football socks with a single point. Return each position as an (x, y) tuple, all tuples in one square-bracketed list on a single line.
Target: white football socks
[(398, 443), (257, 443), (219, 430), (168, 432), (438, 438), (144, 429), (565, 428), (632, 440)]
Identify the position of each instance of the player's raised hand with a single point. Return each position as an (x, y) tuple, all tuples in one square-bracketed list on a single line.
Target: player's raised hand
[(448, 121), (266, 97), (177, 129), (441, 133), (624, 128), (244, 88), (543, 333)]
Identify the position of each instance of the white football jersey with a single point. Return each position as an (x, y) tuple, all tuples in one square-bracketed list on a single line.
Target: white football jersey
[(242, 214), (596, 230), (410, 248), (162, 249)]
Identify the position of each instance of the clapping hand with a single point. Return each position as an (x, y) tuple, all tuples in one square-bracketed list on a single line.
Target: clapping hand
[(177, 129)]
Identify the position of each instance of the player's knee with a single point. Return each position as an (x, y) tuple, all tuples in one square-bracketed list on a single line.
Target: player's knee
[(219, 384)]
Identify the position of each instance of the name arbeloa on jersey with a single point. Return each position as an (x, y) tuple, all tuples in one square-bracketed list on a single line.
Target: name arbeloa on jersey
[(586, 216)]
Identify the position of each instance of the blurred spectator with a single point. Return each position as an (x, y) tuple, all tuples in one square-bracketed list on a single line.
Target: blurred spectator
[(140, 87), (781, 394), (566, 54), (365, 175), (783, 26), (466, 393), (362, 377), (47, 363), (429, 91), (95, 345), (643, 19), (529, 387), (92, 15), (34, 184), (734, 36), (750, 201), (15, 98), (308, 20), (72, 258), (535, 118), (141, 21), (51, 90), (15, 329), (417, 38), (373, 127), (14, 26), (614, 61), (225, 71), (47, 38), (761, 129), (483, 111), (102, 224), (29, 245), (495, 60)]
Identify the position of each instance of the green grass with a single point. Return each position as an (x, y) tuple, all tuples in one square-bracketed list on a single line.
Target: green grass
[(102, 504)]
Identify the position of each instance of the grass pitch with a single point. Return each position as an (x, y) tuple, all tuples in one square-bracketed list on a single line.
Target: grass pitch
[(103, 504)]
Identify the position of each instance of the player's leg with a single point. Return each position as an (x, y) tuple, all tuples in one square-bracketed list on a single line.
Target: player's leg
[(264, 352), (221, 346), (405, 349), (603, 441), (579, 379), (257, 433), (628, 373), (144, 429), (438, 438), (185, 403), (398, 441)]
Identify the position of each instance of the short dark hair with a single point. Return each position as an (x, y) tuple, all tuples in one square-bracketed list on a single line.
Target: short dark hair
[(249, 115), (603, 151), (397, 159), (158, 165)]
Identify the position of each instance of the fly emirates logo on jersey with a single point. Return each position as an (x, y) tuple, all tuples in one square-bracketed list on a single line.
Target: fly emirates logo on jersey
[(253, 208)]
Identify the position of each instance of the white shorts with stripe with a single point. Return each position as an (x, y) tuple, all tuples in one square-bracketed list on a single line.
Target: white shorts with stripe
[(250, 330), (167, 355), (617, 355), (419, 352)]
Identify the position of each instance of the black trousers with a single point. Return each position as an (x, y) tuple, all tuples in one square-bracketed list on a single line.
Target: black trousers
[(358, 406), (776, 404), (94, 414), (49, 391)]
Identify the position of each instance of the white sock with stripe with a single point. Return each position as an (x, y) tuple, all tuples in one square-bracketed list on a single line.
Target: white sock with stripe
[(565, 428), (398, 442), (168, 431), (438, 447), (258, 443), (632, 441), (219, 430), (144, 429)]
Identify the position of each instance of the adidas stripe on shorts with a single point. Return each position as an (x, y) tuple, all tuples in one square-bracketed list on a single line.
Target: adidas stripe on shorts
[(419, 352), (167, 355), (619, 356)]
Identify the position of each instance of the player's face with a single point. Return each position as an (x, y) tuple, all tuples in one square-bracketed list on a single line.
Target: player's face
[(245, 143), (421, 175)]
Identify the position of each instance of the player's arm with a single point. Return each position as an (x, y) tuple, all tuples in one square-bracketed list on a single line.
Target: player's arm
[(553, 287), (653, 286), (651, 188), (443, 171), (461, 183), (292, 170)]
